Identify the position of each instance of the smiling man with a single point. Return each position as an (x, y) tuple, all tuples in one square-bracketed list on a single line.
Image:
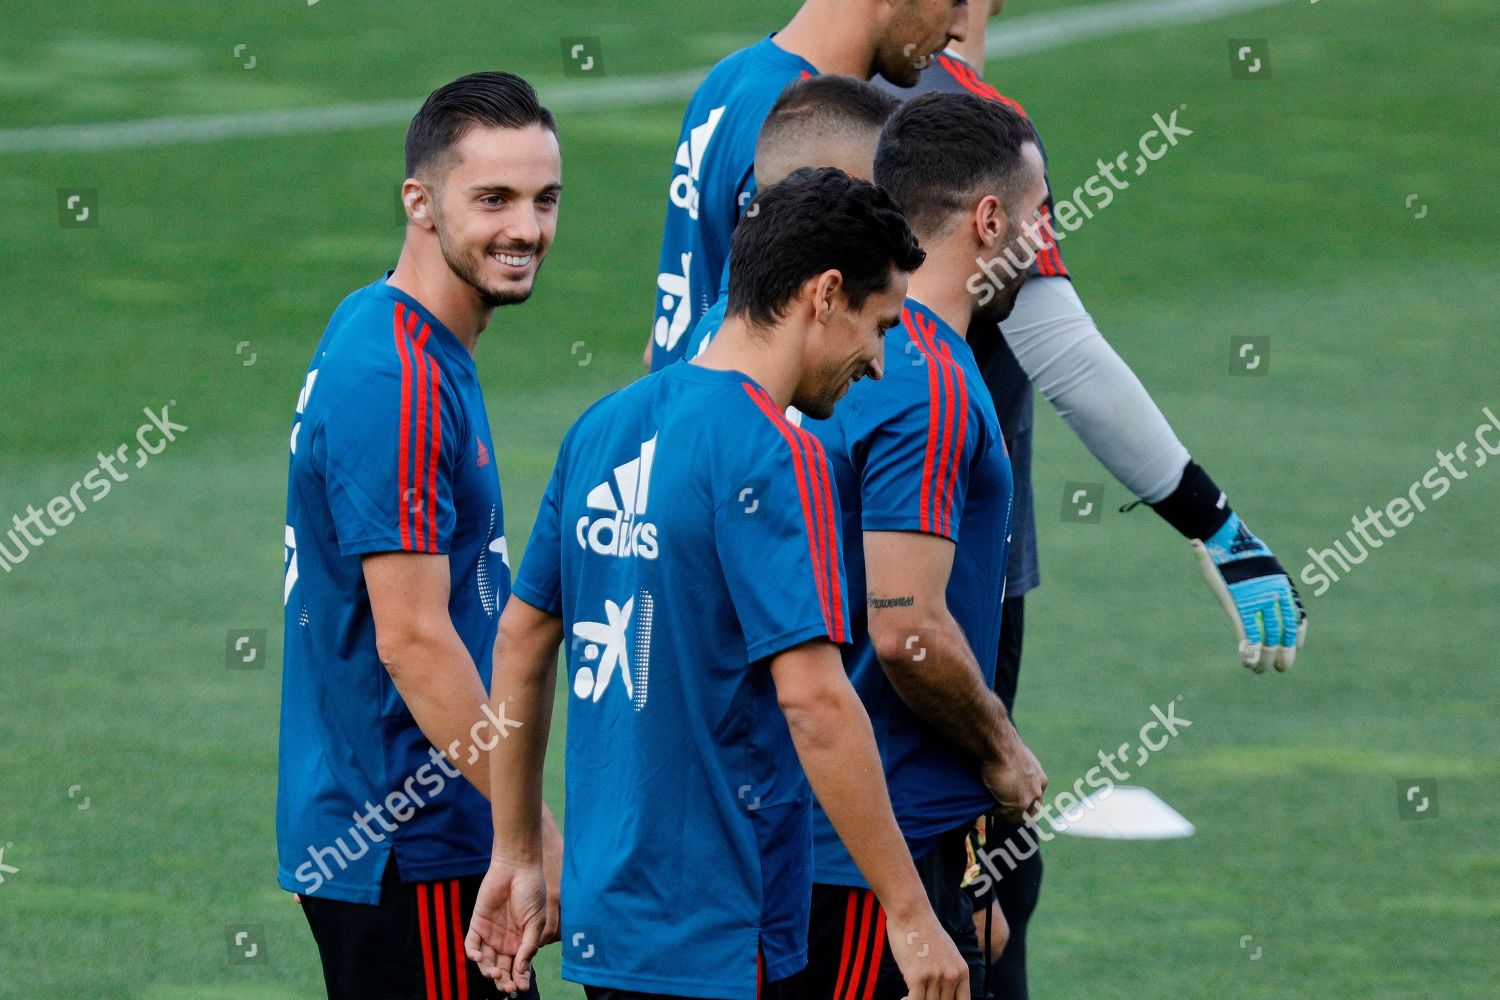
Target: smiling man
[(396, 563)]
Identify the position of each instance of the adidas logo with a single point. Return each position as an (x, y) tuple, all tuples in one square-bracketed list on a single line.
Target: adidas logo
[(684, 188), (619, 531), (1243, 541)]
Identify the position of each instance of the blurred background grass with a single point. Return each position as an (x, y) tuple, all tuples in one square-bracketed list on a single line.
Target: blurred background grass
[(1284, 214)]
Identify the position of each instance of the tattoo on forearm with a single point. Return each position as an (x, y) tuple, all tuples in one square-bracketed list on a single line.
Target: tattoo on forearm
[(876, 603)]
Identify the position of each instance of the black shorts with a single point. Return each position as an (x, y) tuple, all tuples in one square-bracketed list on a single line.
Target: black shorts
[(848, 954), (410, 946), (763, 991)]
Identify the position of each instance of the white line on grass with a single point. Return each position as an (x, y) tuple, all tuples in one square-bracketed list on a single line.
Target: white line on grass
[(1038, 32), (1013, 36)]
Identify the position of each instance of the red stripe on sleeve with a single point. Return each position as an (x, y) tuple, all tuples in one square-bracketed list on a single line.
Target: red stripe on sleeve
[(947, 444), (434, 442), (946, 459), (1051, 259), (830, 530), (924, 508), (960, 438), (768, 407), (442, 938), (403, 466), (424, 924), (461, 971), (970, 81), (419, 474)]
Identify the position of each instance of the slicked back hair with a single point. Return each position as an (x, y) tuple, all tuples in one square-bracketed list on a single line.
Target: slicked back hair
[(491, 100), (814, 221), (941, 150)]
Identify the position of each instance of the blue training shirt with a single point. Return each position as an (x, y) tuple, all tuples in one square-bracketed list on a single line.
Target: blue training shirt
[(707, 327), (688, 534), (391, 452), (713, 179), (1009, 384), (920, 451)]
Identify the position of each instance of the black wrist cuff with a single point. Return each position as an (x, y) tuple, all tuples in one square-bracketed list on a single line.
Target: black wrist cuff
[(1197, 507)]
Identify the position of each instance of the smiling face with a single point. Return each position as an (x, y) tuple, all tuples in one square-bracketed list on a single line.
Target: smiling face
[(847, 345), (494, 200)]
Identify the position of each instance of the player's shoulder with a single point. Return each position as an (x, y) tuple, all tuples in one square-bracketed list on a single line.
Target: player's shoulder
[(919, 348), (365, 331), (949, 73), (924, 367), (377, 353), (751, 78), (380, 332)]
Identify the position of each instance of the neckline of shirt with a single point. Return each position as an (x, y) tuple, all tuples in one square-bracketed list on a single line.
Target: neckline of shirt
[(773, 51)]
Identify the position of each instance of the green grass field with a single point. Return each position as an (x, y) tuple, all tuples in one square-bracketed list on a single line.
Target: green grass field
[(1284, 214)]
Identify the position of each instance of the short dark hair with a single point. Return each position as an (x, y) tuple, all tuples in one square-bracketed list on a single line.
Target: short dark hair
[(494, 100), (941, 148), (822, 103), (815, 220)]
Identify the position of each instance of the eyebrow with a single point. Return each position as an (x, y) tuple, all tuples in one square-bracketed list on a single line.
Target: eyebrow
[(506, 189)]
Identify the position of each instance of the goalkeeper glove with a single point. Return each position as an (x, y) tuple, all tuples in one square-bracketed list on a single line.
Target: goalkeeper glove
[(1256, 594), (1252, 588)]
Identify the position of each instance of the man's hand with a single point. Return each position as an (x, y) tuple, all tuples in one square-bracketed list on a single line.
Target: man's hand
[(1257, 595), (508, 923), (552, 852), (646, 355), (928, 960), (1016, 780)]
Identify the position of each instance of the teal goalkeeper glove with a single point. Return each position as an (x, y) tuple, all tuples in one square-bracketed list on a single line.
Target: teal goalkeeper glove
[(1256, 593)]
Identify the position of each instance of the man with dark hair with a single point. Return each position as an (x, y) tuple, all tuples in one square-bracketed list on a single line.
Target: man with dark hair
[(687, 546), (924, 484), (713, 177), (396, 562), (823, 121), (1050, 339)]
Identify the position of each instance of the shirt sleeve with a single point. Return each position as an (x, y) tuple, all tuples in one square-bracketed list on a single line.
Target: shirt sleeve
[(914, 443), (539, 583), (391, 448), (777, 535)]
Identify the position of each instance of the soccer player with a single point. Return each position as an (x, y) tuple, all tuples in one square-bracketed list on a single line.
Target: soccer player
[(823, 121), (713, 175), (396, 562), (925, 486), (687, 551), (1051, 340)]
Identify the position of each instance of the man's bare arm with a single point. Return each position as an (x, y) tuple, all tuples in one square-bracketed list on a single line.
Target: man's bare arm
[(515, 911), (929, 661), (836, 745), (522, 687), (428, 662), (922, 648)]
